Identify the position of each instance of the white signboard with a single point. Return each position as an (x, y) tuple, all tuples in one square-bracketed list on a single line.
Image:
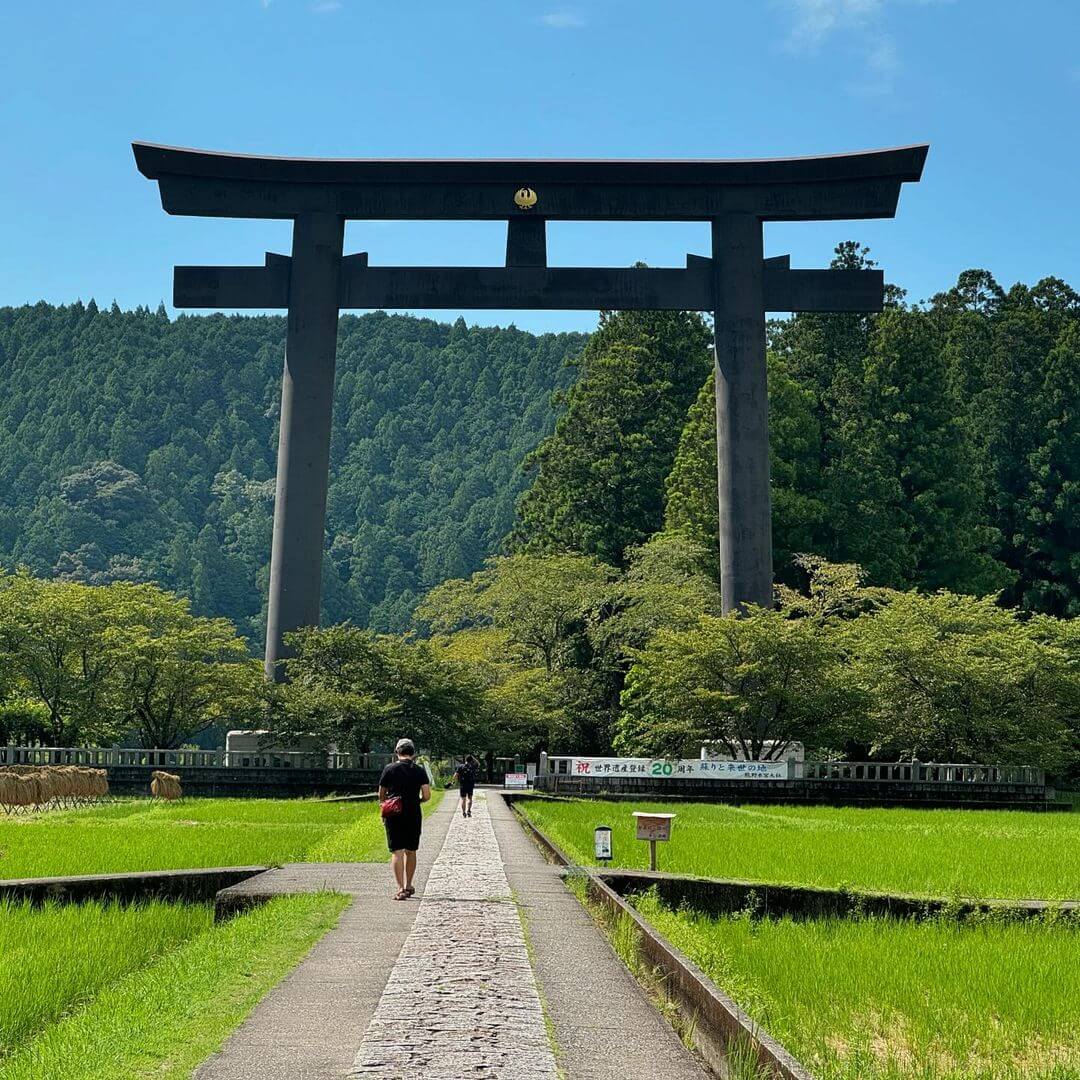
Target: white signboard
[(602, 842), (516, 780), (653, 826), (685, 769)]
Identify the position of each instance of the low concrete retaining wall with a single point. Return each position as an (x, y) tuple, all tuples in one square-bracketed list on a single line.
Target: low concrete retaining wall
[(246, 783), (190, 886), (811, 792), (714, 896)]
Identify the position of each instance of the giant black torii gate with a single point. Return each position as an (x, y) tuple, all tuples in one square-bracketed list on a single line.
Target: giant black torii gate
[(737, 284)]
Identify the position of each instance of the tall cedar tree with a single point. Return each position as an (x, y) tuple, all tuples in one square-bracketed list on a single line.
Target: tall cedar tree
[(1017, 406), (598, 487)]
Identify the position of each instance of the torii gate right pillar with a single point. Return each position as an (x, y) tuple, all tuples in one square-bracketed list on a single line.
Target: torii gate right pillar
[(742, 413)]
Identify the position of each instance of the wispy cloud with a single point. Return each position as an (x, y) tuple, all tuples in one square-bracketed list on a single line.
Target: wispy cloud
[(563, 20), (815, 20), (862, 23)]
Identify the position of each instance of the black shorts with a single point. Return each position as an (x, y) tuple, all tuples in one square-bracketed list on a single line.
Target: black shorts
[(403, 831), (467, 790)]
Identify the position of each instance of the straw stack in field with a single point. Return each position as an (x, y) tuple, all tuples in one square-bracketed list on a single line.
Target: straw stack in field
[(36, 786), (165, 785)]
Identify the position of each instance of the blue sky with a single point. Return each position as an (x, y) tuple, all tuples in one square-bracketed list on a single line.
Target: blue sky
[(994, 86)]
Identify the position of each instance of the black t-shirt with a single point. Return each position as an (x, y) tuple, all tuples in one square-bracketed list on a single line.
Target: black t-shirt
[(405, 778), (466, 774)]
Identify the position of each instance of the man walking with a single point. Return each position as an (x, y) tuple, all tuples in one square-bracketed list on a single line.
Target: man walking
[(403, 786), (466, 777)]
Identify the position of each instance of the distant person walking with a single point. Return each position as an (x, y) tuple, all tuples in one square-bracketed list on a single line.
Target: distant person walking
[(403, 786), (466, 774)]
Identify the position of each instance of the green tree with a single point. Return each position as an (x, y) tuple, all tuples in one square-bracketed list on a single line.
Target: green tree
[(999, 350), (922, 523), (956, 678), (64, 643), (1050, 508), (752, 684), (351, 687), (543, 604), (663, 587), (598, 487), (177, 674)]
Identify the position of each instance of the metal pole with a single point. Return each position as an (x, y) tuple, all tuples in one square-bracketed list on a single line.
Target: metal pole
[(742, 414), (307, 399)]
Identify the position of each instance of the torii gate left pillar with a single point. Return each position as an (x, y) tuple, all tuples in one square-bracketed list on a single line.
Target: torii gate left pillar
[(307, 406), (736, 283)]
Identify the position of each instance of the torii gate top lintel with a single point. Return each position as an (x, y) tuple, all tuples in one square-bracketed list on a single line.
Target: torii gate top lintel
[(209, 183)]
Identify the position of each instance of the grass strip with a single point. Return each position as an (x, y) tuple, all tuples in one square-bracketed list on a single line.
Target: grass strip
[(58, 957), (141, 835), (880, 999), (950, 853), (162, 1021)]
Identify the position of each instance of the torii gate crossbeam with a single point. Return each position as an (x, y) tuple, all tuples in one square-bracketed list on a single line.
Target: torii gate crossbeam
[(737, 284)]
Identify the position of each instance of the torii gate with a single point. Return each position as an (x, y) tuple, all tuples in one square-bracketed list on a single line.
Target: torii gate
[(737, 284)]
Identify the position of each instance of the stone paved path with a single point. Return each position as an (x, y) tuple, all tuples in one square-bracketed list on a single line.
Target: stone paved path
[(462, 1000)]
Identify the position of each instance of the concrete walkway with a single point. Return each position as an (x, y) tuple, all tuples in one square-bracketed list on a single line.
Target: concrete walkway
[(604, 1025), (310, 1026), (443, 988)]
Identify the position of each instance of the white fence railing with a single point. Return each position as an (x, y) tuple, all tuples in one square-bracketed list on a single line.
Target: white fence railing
[(164, 759)]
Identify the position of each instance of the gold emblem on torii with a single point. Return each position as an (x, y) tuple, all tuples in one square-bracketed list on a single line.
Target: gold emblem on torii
[(525, 198)]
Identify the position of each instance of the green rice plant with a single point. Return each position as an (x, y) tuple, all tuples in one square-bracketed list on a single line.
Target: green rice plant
[(950, 853), (362, 841), (166, 1017), (880, 999), (140, 835), (58, 957)]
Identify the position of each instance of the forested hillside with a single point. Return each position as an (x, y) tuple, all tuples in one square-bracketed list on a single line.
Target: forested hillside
[(135, 448)]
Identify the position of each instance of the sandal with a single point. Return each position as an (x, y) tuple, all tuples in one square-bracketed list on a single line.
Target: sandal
[(410, 891), (402, 894)]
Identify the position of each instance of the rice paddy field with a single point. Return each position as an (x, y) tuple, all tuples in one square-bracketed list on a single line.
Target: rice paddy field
[(130, 835), (92, 991), (951, 853), (878, 999)]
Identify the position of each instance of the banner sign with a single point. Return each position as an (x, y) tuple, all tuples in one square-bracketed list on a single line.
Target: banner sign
[(516, 780), (686, 769)]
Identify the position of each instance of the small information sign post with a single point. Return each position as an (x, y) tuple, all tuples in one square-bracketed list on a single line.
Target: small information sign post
[(602, 843), (653, 827), (517, 780)]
